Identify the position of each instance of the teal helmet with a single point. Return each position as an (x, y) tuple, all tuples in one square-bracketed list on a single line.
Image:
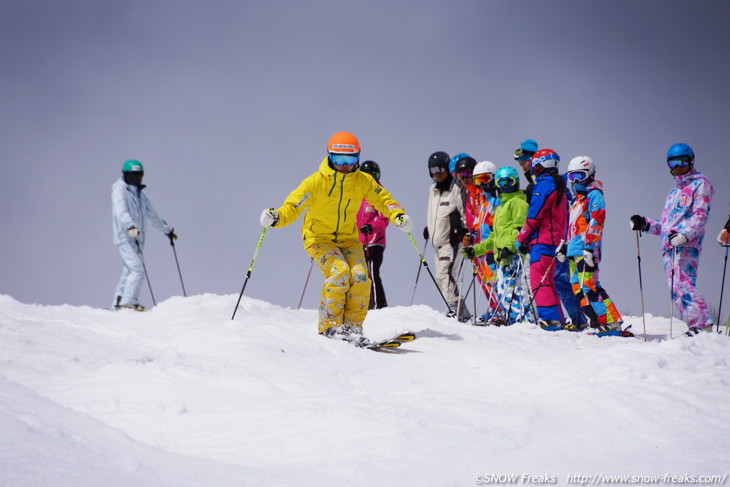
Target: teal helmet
[(132, 172), (507, 179), (132, 165)]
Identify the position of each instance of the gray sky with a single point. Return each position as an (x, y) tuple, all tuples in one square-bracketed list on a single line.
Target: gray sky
[(229, 104)]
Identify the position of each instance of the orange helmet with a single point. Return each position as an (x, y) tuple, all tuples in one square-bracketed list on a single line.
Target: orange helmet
[(343, 143)]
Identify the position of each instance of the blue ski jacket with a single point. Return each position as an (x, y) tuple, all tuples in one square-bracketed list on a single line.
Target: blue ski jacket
[(132, 208)]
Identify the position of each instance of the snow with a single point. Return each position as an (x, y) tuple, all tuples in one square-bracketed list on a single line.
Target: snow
[(184, 396)]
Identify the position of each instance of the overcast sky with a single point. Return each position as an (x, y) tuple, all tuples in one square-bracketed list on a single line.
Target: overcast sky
[(229, 105)]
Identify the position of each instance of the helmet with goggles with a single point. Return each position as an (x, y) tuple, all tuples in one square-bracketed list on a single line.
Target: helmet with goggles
[(544, 159), (680, 155), (372, 168), (343, 149), (581, 170), (507, 180), (484, 173), (526, 150)]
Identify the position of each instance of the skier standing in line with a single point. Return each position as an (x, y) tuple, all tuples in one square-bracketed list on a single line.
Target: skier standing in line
[(583, 248), (523, 156), (545, 227), (508, 220), (131, 209), (332, 196), (444, 223), (682, 229), (372, 225)]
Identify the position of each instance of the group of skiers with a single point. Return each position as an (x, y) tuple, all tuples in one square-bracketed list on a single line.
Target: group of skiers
[(532, 251)]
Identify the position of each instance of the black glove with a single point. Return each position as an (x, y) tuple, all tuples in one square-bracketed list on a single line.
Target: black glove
[(469, 252), (522, 248), (505, 254), (172, 236), (456, 235), (639, 223), (425, 233), (366, 229)]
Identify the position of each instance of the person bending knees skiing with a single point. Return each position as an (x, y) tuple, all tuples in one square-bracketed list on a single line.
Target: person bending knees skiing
[(583, 248), (332, 196), (131, 210), (372, 225), (445, 222), (509, 218), (682, 229), (543, 231)]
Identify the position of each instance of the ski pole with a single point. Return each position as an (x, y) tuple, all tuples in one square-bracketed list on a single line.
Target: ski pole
[(425, 264), (671, 293), (526, 286), (418, 274), (473, 280), (722, 290), (178, 267), (141, 257), (369, 263), (250, 268), (641, 285), (301, 298)]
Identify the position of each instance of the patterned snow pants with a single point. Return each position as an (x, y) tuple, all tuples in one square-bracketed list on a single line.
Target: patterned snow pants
[(130, 282), (511, 293), (687, 298), (594, 300), (346, 290)]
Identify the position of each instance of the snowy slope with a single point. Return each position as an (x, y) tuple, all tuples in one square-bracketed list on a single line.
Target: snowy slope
[(182, 395)]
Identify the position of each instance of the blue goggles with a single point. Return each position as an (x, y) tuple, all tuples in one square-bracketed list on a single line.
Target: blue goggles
[(680, 162), (344, 159)]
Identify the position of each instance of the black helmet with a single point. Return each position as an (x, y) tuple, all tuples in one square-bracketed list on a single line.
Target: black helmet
[(372, 168), (439, 159), (465, 164)]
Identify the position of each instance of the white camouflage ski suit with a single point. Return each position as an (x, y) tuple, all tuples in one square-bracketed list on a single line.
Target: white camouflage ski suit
[(132, 208)]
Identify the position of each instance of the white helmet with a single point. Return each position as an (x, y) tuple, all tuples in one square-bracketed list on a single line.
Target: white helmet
[(582, 164), (485, 167)]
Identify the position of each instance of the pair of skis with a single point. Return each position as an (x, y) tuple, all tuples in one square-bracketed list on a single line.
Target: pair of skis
[(389, 344)]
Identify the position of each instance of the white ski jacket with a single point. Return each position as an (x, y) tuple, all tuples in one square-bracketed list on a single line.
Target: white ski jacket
[(132, 208), (440, 206)]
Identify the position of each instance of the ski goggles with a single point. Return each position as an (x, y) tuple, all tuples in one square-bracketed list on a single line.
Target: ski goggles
[(522, 154), (465, 174), (484, 178), (506, 182), (437, 170), (344, 159), (577, 176), (679, 162)]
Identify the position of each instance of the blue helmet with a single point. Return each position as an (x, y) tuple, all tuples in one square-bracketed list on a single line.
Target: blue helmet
[(455, 159), (681, 151), (507, 179)]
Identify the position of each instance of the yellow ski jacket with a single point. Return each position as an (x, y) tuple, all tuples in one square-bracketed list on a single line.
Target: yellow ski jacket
[(333, 200)]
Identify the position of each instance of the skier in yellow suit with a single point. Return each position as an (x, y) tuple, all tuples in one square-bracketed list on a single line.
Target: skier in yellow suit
[(333, 196)]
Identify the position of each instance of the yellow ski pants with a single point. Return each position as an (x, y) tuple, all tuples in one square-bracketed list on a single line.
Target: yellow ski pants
[(346, 290)]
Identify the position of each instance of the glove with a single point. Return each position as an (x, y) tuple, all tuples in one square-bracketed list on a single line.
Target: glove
[(366, 229), (404, 222), (723, 239), (269, 217), (588, 258), (639, 223), (133, 233), (505, 254), (468, 252), (521, 248), (425, 233), (172, 236), (677, 239), (560, 252), (456, 235)]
